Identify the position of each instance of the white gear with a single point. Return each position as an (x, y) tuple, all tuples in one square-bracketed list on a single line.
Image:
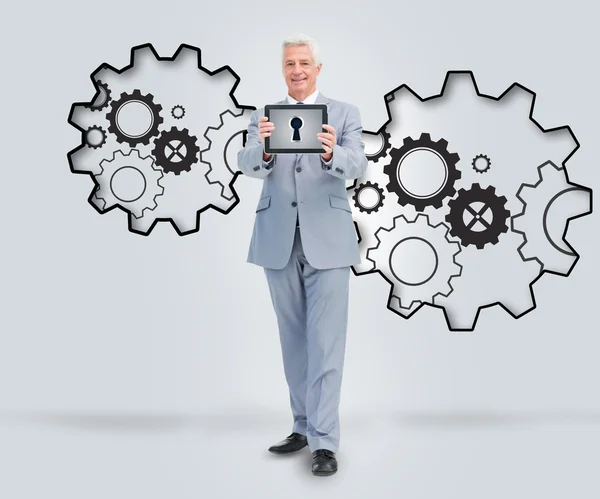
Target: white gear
[(221, 155), (142, 196), (416, 279), (533, 221), (151, 101)]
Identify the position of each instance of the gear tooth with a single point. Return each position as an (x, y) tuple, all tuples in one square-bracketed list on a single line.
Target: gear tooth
[(425, 136), (136, 92), (442, 143), (455, 157), (408, 141), (491, 190)]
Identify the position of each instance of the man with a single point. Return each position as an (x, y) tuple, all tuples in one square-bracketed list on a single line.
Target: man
[(304, 237)]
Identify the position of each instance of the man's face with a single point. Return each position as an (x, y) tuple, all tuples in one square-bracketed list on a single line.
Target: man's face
[(299, 70)]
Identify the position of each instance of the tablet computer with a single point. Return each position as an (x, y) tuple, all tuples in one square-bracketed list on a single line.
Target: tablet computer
[(296, 128)]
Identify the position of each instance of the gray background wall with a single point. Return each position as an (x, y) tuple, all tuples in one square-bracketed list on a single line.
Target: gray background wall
[(138, 366)]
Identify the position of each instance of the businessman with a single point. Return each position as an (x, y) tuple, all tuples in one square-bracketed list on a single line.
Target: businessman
[(304, 237)]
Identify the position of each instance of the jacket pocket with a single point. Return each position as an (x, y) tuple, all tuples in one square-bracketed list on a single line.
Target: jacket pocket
[(341, 203), (264, 203)]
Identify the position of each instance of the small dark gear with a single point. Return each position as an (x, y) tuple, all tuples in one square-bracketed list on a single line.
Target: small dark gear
[(385, 147), (362, 187), (441, 149), (178, 112), (483, 160), (463, 202), (104, 96), (169, 144), (148, 101), (100, 133)]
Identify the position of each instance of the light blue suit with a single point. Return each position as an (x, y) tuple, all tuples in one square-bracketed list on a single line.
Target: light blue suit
[(308, 267)]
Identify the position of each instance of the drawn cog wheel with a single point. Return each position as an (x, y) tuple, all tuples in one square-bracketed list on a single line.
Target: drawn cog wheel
[(147, 115), (402, 186), (176, 150), (474, 209), (102, 99), (481, 163), (178, 112), (535, 222), (365, 191), (383, 150), (95, 137), (417, 258), (130, 181)]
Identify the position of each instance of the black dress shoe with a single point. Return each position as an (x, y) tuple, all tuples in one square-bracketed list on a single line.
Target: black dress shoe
[(291, 443), (323, 462)]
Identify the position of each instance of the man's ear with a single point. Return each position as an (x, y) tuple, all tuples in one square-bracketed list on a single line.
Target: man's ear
[(319, 68)]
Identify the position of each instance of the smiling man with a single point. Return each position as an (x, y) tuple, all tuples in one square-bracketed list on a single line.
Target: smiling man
[(304, 237)]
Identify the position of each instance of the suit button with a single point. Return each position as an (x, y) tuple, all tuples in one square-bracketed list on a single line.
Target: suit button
[(294, 203), (298, 169)]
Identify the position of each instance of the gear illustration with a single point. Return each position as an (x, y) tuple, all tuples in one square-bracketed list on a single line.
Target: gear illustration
[(138, 118), (176, 150), (134, 118), (95, 137), (224, 142), (484, 210), (102, 97), (178, 112), (417, 259), (543, 224), (481, 163), (384, 148), (408, 157), (130, 181), (363, 192)]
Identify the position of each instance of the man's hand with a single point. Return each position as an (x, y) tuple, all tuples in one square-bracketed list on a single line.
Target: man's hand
[(264, 130), (328, 139)]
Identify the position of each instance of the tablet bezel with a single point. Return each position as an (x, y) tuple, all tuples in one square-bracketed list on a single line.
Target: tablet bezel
[(269, 107)]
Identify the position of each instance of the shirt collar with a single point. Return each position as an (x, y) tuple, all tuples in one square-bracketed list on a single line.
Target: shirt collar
[(309, 100)]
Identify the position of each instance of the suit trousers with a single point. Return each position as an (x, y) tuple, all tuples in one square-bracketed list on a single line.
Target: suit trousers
[(311, 306)]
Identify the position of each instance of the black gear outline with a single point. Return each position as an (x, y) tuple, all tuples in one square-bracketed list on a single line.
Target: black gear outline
[(441, 148), (478, 195), (182, 112), (385, 146), (487, 160), (147, 99), (390, 97), (100, 84), (101, 130), (189, 141), (368, 185), (225, 69)]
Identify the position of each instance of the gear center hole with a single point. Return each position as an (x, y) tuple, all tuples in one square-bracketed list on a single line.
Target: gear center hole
[(422, 173), (413, 261), (128, 184)]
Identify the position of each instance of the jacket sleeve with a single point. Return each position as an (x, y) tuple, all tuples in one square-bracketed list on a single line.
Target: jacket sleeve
[(349, 160), (250, 158)]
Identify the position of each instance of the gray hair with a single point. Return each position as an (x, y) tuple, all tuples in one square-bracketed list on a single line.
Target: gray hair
[(302, 40)]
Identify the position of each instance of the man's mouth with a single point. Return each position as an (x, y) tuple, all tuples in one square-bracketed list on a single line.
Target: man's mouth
[(299, 80)]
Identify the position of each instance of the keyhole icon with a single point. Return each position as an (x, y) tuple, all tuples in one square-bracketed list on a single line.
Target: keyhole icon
[(296, 123)]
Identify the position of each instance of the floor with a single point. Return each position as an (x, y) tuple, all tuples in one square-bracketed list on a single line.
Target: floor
[(467, 455)]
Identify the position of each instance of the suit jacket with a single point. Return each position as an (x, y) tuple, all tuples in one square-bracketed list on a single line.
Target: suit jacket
[(303, 185)]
